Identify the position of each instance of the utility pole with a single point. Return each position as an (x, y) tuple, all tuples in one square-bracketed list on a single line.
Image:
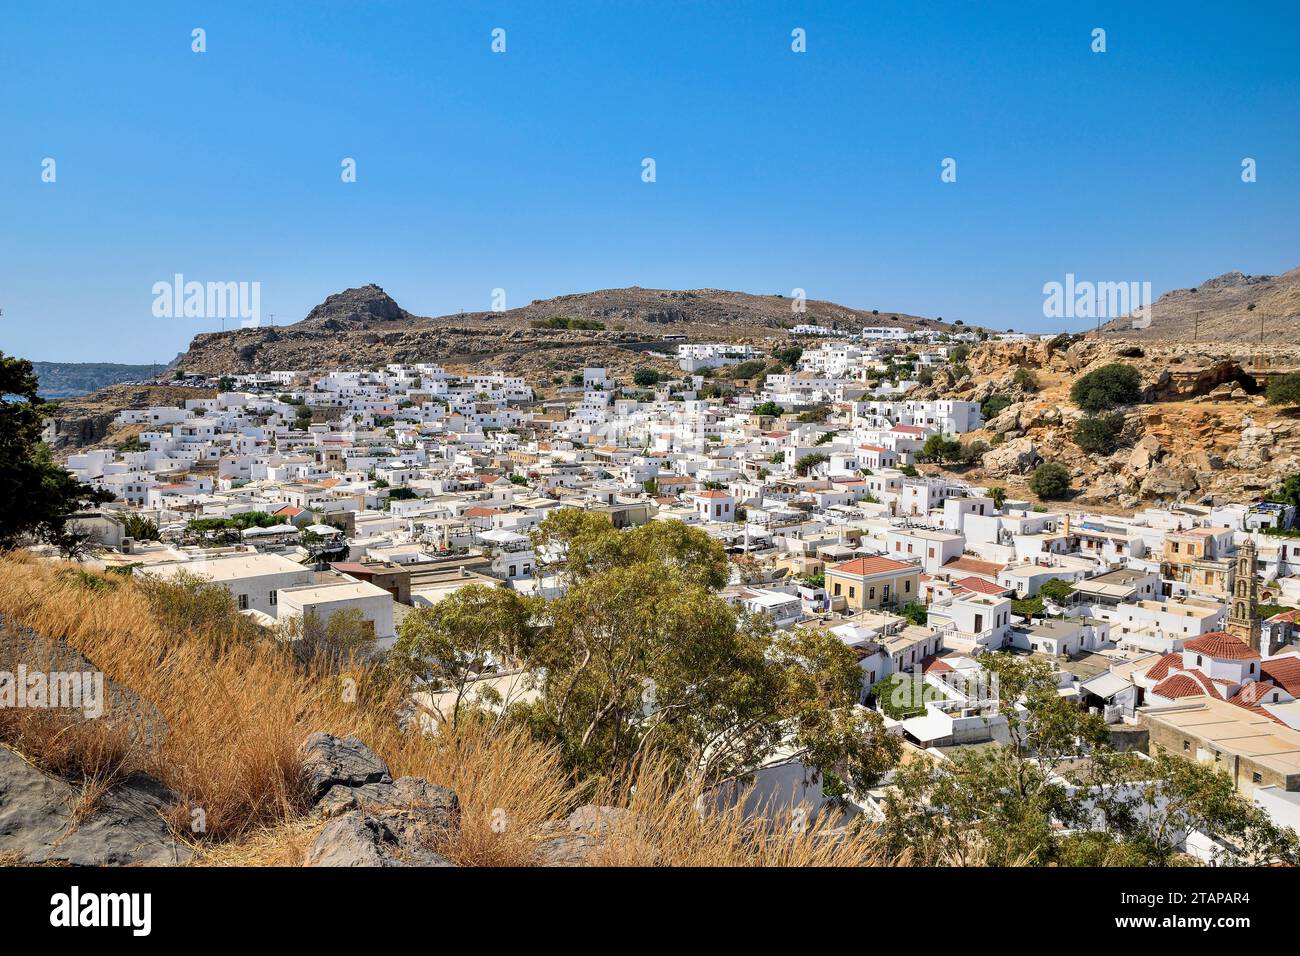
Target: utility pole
[(1196, 330)]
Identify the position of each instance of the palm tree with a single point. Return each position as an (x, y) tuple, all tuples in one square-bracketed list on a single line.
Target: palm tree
[(999, 496)]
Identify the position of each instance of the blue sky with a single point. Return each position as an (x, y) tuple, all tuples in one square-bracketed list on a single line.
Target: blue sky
[(522, 170)]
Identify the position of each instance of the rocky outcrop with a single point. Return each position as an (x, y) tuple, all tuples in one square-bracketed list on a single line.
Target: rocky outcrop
[(41, 820), (1016, 457), (374, 820)]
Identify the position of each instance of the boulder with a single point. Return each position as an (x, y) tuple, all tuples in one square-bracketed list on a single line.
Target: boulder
[(374, 820), (39, 823), (329, 761), (1016, 457), (361, 839)]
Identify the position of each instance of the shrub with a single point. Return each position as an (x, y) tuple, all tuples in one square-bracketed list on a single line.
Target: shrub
[(1099, 433), (1285, 390), (750, 369), (1025, 379), (994, 405), (645, 377), (1107, 387), (771, 409), (1050, 480)]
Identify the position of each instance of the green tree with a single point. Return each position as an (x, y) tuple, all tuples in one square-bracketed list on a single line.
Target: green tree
[(807, 463), (641, 656), (645, 377), (994, 405), (771, 409), (1099, 433), (1050, 481), (915, 612), (815, 415), (788, 356), (1107, 387), (140, 528), (1057, 590), (472, 632), (999, 496), (37, 496)]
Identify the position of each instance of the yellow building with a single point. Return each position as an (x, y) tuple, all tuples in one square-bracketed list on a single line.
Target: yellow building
[(872, 583)]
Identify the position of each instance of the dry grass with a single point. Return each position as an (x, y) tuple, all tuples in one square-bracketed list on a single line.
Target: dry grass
[(237, 713), (665, 826)]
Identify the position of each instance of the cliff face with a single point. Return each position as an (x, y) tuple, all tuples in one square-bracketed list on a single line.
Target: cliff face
[(364, 327), (1202, 430)]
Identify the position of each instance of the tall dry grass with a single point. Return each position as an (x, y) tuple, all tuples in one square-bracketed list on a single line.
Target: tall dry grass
[(670, 825), (237, 711)]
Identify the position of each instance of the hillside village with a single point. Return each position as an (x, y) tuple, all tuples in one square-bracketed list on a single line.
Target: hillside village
[(382, 491)]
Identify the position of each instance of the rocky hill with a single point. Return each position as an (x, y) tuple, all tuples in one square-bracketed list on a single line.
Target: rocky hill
[(1229, 308), (363, 327), (87, 420), (1202, 429)]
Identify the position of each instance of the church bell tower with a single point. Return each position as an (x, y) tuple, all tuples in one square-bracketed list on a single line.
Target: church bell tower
[(1243, 618)]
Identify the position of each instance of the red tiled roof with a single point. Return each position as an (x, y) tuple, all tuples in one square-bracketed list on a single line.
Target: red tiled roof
[(1284, 671), (1252, 695), (1160, 669), (877, 448), (979, 584), (1179, 686), (909, 429), (935, 665), (871, 566), (712, 494), (1222, 645), (480, 512)]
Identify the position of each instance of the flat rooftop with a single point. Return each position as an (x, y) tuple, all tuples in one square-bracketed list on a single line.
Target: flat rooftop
[(1235, 730)]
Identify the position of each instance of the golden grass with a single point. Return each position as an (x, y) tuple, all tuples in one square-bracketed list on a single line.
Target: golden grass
[(237, 713), (668, 825)]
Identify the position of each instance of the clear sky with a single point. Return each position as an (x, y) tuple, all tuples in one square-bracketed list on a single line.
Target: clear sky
[(522, 170)]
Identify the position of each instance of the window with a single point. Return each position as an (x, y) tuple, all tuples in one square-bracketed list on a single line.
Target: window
[(1256, 778), (274, 598), (872, 594), (243, 602), (851, 592), (837, 589), (1187, 745), (907, 587)]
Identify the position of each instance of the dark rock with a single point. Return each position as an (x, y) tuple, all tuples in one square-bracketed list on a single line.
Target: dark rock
[(38, 822), (329, 761)]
